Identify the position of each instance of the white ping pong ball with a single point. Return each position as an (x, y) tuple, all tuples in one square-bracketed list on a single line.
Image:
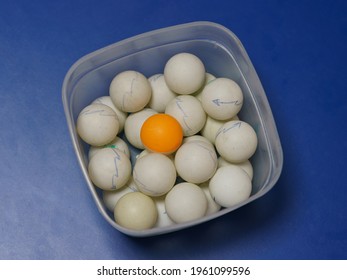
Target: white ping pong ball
[(230, 186), (185, 202), (246, 165), (196, 161), (109, 169), (236, 141), (161, 94), (222, 99), (97, 124), (106, 100), (133, 124), (117, 143), (154, 174), (136, 211), (130, 91), (184, 73), (187, 110)]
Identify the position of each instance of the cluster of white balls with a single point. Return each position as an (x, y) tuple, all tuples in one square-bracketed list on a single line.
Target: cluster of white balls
[(210, 170)]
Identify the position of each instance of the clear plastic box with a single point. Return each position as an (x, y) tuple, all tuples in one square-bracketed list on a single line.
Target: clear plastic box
[(223, 56)]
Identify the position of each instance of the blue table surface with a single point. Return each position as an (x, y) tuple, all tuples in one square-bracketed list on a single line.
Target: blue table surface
[(298, 49)]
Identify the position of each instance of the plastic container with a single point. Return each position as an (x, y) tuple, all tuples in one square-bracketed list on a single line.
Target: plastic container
[(223, 56)]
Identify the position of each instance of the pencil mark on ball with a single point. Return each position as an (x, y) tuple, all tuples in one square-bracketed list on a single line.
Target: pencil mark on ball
[(178, 103), (143, 186), (185, 116), (115, 176), (101, 112), (226, 129), (211, 153), (218, 102), (128, 94)]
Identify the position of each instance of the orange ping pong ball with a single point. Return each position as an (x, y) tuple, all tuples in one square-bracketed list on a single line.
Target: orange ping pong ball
[(161, 133)]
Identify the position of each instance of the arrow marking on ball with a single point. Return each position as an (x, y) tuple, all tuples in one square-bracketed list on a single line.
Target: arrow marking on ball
[(224, 130), (218, 102)]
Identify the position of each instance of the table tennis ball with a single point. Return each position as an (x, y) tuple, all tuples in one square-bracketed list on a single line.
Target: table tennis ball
[(130, 91), (110, 198), (154, 174), (161, 94), (136, 211), (106, 100), (184, 73), (97, 124), (187, 110), (109, 169), (246, 165), (230, 186), (208, 78), (133, 124), (161, 133), (196, 161), (212, 206), (185, 202), (117, 143), (222, 99), (163, 218), (236, 141)]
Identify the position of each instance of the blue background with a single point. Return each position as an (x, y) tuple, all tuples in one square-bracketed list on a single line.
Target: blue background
[(299, 51)]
